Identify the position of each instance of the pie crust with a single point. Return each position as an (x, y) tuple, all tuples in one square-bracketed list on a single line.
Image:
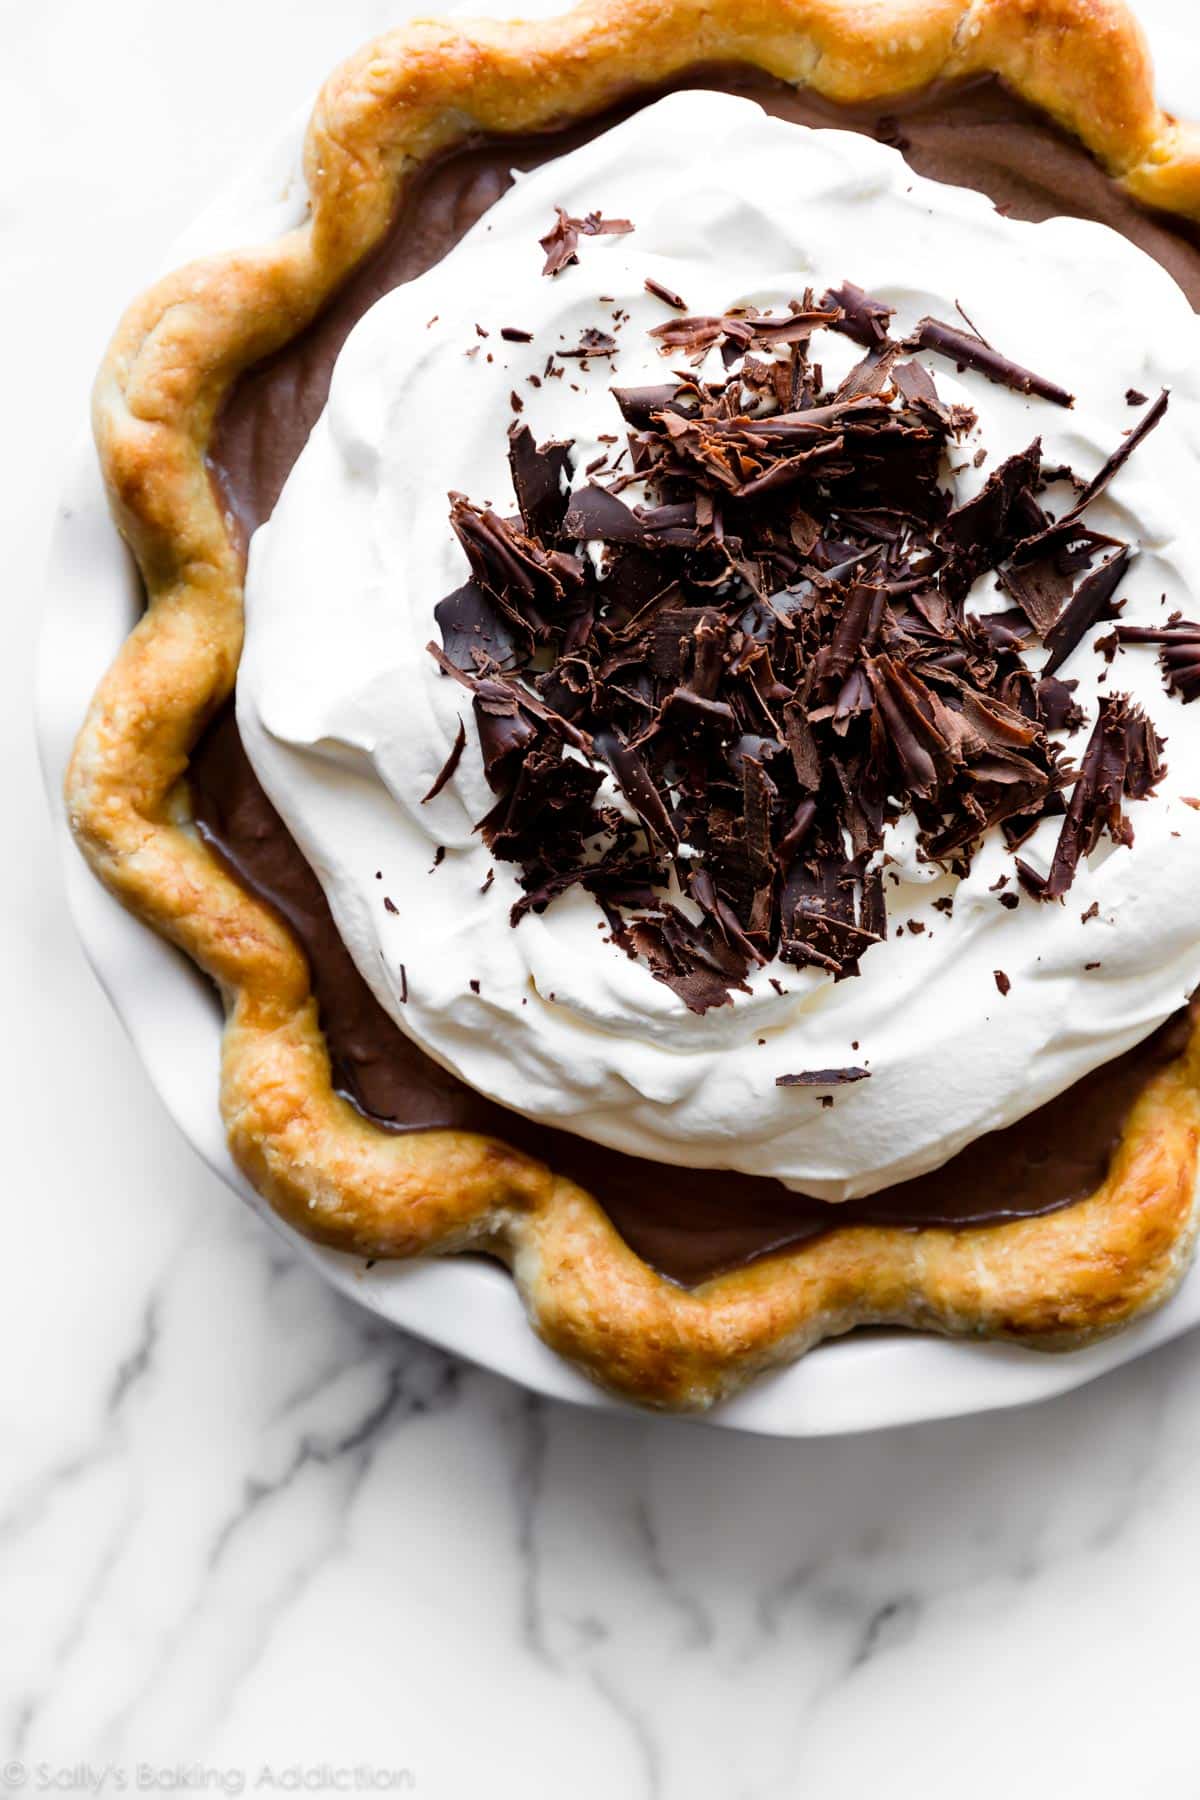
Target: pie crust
[(1053, 1282)]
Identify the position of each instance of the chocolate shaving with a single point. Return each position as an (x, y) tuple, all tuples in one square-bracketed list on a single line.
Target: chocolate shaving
[(862, 318), (477, 629), (1179, 653), (871, 376), (504, 731), (1056, 705), (988, 527), (1059, 533), (596, 515), (1040, 590), (592, 343), (918, 387), (561, 242), (665, 294), (540, 475), (1121, 455), (742, 331), (694, 963), (449, 766), (969, 352), (1122, 760), (823, 1078), (1091, 602), (636, 785), (639, 405)]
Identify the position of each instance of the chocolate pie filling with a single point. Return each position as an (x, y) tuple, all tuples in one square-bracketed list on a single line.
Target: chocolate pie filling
[(688, 1224)]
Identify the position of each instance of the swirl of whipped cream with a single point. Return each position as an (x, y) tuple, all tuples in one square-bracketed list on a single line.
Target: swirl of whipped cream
[(348, 720)]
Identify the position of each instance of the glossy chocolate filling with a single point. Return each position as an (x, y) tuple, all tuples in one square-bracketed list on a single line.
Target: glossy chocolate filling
[(690, 1224)]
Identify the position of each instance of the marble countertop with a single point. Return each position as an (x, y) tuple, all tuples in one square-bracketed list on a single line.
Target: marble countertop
[(250, 1540)]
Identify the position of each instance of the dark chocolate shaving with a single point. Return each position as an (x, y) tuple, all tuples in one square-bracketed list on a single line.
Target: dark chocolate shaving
[(475, 630), (1178, 655), (865, 320), (1091, 602), (988, 527), (1122, 761), (743, 331), (597, 516), (639, 405), (823, 1078), (665, 294), (449, 766), (636, 785), (592, 342), (1121, 455), (1056, 705), (970, 352), (540, 474), (1040, 590), (561, 242), (1057, 534)]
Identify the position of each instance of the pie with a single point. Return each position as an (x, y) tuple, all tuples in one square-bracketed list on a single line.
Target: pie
[(709, 811)]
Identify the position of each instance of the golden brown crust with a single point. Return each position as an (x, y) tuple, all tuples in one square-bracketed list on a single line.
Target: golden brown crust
[(1055, 1281)]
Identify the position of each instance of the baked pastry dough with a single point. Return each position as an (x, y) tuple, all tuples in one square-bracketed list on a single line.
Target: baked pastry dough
[(1053, 1281)]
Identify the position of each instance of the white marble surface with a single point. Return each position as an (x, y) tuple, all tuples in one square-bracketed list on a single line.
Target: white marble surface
[(246, 1531)]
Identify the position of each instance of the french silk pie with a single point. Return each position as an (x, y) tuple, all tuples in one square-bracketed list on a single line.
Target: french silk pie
[(664, 700)]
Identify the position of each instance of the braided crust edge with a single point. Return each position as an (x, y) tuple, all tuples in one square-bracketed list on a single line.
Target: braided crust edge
[(1053, 1282)]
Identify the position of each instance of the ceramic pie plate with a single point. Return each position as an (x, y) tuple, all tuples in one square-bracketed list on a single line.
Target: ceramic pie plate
[(867, 1381)]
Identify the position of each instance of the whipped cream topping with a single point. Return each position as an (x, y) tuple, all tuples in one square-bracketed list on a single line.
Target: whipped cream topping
[(348, 720)]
